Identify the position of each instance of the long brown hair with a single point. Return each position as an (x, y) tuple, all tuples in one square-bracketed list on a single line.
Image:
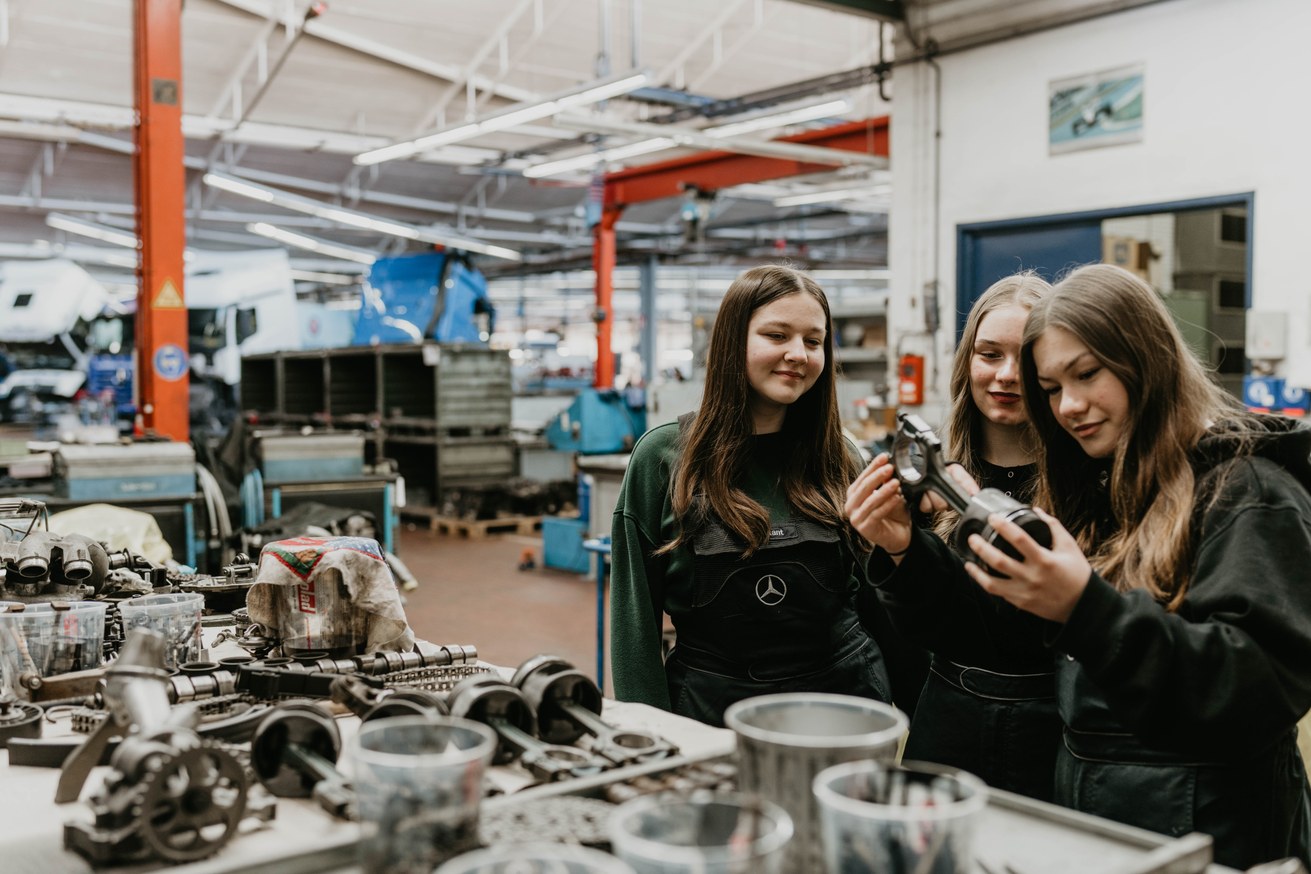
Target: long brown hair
[(715, 445), (963, 430), (1138, 534)]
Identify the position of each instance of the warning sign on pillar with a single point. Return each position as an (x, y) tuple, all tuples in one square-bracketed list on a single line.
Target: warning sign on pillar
[(168, 297)]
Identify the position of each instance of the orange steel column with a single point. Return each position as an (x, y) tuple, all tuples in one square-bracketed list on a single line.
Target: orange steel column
[(603, 262), (162, 360)]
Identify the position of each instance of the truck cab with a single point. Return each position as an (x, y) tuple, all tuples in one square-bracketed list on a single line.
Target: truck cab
[(46, 312), (239, 303)]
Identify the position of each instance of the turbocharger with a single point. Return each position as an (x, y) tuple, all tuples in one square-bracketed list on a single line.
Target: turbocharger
[(44, 565)]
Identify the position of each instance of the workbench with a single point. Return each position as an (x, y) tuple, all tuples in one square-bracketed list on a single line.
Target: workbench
[(1016, 835), (301, 838)]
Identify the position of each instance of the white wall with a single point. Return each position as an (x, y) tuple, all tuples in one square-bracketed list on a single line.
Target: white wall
[(1224, 114)]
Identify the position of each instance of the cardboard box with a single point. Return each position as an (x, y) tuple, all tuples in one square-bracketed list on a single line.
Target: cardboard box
[(1131, 254), (875, 335)]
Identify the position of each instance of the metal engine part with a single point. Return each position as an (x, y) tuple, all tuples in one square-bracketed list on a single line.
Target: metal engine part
[(179, 804), (294, 754), (38, 565), (170, 794), (567, 704), (503, 708), (566, 819), (714, 774), (440, 678), (18, 719)]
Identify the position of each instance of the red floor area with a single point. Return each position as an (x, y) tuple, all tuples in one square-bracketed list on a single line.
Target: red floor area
[(472, 592)]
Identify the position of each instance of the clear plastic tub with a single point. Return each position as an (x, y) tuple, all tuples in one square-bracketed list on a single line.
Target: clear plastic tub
[(879, 816), (44, 640), (705, 833), (784, 740), (418, 781), (176, 616)]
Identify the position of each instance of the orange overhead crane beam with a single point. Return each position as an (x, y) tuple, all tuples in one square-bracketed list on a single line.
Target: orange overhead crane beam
[(706, 171), (710, 171), (162, 360)]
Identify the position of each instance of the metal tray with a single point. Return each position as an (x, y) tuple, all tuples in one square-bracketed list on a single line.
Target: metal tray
[(1017, 835)]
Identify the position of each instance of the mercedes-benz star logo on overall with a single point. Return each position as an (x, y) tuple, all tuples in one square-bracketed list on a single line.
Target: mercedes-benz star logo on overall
[(771, 590)]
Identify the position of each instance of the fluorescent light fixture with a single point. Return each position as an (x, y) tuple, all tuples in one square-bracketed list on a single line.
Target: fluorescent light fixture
[(779, 119), (105, 234), (583, 162), (833, 194), (520, 113), (599, 122), (325, 278), (126, 239), (354, 219), (99, 255), (615, 86), (323, 247), (236, 186)]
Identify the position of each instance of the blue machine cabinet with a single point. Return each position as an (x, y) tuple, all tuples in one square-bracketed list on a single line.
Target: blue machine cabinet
[(562, 544)]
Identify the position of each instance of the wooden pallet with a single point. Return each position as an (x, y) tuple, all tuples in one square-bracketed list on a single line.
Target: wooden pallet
[(477, 529)]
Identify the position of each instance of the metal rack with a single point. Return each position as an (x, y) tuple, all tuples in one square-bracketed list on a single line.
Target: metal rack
[(441, 411)]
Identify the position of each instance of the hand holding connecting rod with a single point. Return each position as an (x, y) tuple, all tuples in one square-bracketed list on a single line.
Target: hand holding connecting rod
[(918, 463)]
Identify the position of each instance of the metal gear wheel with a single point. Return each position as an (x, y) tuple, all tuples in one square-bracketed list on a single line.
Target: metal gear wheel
[(191, 802)]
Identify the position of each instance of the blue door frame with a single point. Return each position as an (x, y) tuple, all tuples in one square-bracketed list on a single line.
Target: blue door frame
[(1065, 233)]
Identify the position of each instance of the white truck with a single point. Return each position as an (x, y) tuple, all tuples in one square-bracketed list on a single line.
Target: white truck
[(239, 303), (62, 330), (46, 310)]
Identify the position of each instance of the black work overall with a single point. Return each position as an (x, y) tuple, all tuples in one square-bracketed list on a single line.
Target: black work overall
[(1104, 770), (783, 620), (1001, 727)]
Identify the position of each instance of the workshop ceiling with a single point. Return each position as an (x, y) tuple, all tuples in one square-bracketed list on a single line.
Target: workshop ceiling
[(285, 100), (279, 96)]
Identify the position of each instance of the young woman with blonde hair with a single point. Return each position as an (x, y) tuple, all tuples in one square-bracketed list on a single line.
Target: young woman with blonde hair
[(988, 706)]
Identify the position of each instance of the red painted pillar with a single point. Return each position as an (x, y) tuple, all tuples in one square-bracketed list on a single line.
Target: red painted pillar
[(162, 358), (603, 262)]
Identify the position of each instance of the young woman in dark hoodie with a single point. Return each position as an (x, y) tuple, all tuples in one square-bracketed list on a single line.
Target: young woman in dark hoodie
[(1176, 585)]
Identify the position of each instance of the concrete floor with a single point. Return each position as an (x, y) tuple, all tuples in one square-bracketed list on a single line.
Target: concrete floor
[(472, 592)]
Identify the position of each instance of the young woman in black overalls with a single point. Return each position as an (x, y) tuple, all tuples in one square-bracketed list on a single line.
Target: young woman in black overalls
[(989, 705), (731, 521), (1176, 589)]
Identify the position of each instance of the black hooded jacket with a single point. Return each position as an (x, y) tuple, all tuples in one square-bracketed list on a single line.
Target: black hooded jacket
[(1229, 672), (1185, 721)]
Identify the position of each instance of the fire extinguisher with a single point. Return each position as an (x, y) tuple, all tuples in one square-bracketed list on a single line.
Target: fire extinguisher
[(910, 380)]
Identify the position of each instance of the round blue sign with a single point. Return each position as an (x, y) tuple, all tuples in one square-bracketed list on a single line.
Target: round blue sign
[(171, 362)]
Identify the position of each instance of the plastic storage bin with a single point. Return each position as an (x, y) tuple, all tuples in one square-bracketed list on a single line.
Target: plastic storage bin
[(44, 640)]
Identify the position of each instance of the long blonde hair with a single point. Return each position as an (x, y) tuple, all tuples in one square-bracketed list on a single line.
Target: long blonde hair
[(963, 431), (1138, 533)]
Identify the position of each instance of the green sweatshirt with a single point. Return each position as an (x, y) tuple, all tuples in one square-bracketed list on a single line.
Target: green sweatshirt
[(642, 586)]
